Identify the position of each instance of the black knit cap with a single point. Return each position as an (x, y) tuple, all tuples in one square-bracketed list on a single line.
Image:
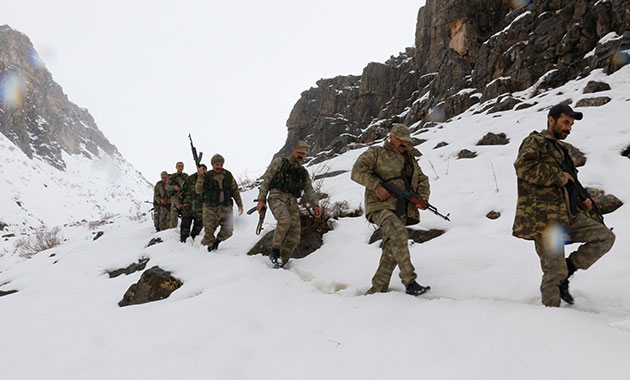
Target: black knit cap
[(559, 109)]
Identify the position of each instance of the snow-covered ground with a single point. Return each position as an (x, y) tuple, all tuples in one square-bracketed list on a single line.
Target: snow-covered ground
[(235, 318)]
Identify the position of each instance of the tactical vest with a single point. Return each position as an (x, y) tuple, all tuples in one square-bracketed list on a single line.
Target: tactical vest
[(291, 178), (212, 190)]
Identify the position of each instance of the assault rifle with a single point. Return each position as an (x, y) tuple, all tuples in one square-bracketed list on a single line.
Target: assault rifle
[(151, 203), (261, 217), (404, 195), (576, 190), (196, 157)]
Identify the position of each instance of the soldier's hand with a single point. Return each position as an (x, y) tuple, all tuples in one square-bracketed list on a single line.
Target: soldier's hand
[(567, 177), (588, 204), (163, 201), (240, 210), (382, 193), (261, 204), (176, 188), (318, 211), (422, 204)]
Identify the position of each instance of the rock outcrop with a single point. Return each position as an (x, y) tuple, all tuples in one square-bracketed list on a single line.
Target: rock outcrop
[(417, 236), (466, 52), (155, 284)]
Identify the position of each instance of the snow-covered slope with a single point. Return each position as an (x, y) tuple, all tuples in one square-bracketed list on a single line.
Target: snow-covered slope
[(235, 318), (35, 194)]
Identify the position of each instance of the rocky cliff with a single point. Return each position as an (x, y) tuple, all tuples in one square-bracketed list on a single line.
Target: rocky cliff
[(35, 114), (57, 166), (468, 53)]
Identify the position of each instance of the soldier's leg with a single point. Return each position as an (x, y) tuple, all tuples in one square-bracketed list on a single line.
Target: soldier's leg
[(185, 228), (156, 218), (292, 238), (395, 251), (597, 238), (172, 221), (226, 222), (280, 211), (554, 267), (210, 223), (164, 212), (197, 226)]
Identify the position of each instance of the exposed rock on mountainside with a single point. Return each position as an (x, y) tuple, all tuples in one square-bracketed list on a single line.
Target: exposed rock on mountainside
[(59, 167), (155, 284), (466, 53), (35, 114)]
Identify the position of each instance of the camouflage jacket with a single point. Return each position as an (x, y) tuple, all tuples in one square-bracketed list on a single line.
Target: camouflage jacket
[(208, 186), (175, 180), (274, 169), (190, 202), (384, 163), (542, 201), (159, 193)]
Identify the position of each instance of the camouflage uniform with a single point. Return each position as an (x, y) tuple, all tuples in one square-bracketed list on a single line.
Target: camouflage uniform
[(543, 214), (374, 167), (217, 190), (191, 205), (160, 211), (175, 179), (284, 181)]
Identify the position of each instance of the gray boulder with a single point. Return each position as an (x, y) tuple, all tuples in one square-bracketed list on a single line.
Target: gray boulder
[(593, 102), (418, 236), (494, 139), (593, 86), (465, 153)]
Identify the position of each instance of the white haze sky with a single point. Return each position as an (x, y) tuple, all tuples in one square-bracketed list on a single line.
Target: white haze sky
[(150, 72)]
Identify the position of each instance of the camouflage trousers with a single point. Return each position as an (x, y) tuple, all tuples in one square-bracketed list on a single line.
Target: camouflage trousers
[(160, 215), (187, 222), (172, 220), (286, 236), (598, 240), (395, 251), (213, 217)]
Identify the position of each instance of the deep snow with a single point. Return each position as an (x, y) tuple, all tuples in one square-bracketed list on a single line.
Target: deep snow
[(235, 318)]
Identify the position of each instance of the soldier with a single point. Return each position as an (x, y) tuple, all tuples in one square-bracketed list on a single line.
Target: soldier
[(191, 205), (285, 180), (543, 213), (161, 203), (217, 187), (174, 186), (395, 161)]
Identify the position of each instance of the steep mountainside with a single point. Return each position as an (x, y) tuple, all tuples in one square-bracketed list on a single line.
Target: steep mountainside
[(467, 54), (56, 164)]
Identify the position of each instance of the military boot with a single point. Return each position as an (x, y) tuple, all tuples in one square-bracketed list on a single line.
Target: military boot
[(215, 245), (564, 286), (182, 239), (416, 289), (274, 257)]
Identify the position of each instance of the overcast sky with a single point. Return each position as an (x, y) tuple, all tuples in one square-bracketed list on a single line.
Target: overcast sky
[(229, 73)]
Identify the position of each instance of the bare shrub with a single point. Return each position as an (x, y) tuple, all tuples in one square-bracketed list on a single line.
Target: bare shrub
[(246, 183), (330, 210), (106, 218), (42, 240)]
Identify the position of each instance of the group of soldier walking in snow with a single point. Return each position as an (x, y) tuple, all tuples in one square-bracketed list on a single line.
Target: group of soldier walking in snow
[(546, 212)]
